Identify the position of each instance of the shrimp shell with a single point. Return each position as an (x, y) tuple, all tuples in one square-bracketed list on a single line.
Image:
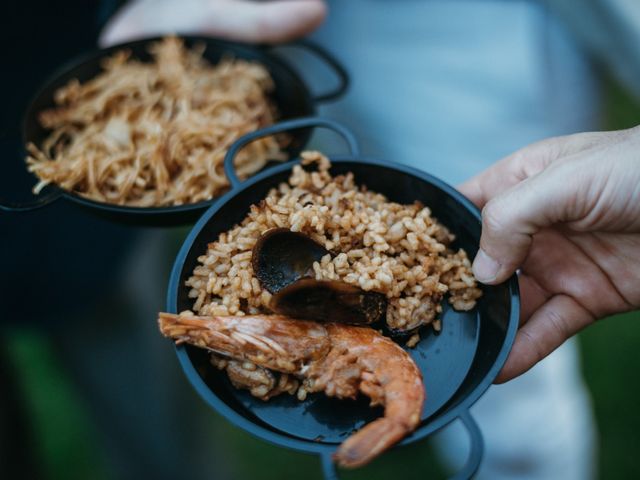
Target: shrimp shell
[(337, 359)]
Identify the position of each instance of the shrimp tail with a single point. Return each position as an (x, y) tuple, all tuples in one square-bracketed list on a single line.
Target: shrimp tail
[(366, 444)]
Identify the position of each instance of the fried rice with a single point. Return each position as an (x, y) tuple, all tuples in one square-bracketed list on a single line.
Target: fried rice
[(380, 245)]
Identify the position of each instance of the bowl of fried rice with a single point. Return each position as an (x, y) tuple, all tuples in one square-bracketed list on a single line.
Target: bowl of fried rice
[(391, 229)]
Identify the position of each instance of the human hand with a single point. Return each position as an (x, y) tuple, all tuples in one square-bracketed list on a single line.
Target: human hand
[(566, 212), (238, 20)]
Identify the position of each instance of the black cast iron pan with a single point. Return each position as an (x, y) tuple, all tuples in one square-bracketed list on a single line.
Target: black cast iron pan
[(458, 364), (292, 97)]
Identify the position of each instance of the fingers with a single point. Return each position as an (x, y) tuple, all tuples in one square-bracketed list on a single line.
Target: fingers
[(510, 171), (532, 296), (237, 20), (562, 180), (510, 220), (563, 192), (266, 22), (526, 163), (549, 327)]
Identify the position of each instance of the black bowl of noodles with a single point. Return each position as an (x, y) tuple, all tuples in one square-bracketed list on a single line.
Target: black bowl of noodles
[(458, 364), (154, 172)]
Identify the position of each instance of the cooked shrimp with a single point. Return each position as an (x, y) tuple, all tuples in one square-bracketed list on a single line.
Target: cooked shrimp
[(339, 360)]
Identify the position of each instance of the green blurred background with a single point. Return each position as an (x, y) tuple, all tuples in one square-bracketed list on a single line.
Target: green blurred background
[(67, 445)]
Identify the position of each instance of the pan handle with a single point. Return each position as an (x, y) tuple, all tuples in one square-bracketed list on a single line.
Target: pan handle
[(477, 448), (304, 122), (330, 472), (329, 59), (40, 201)]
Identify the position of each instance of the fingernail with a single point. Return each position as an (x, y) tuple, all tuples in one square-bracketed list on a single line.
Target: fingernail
[(484, 267)]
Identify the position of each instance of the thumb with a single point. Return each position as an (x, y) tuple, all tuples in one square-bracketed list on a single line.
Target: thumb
[(238, 20), (510, 219)]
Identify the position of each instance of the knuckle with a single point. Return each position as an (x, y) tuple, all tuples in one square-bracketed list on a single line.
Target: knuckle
[(533, 346), (493, 216), (559, 324)]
